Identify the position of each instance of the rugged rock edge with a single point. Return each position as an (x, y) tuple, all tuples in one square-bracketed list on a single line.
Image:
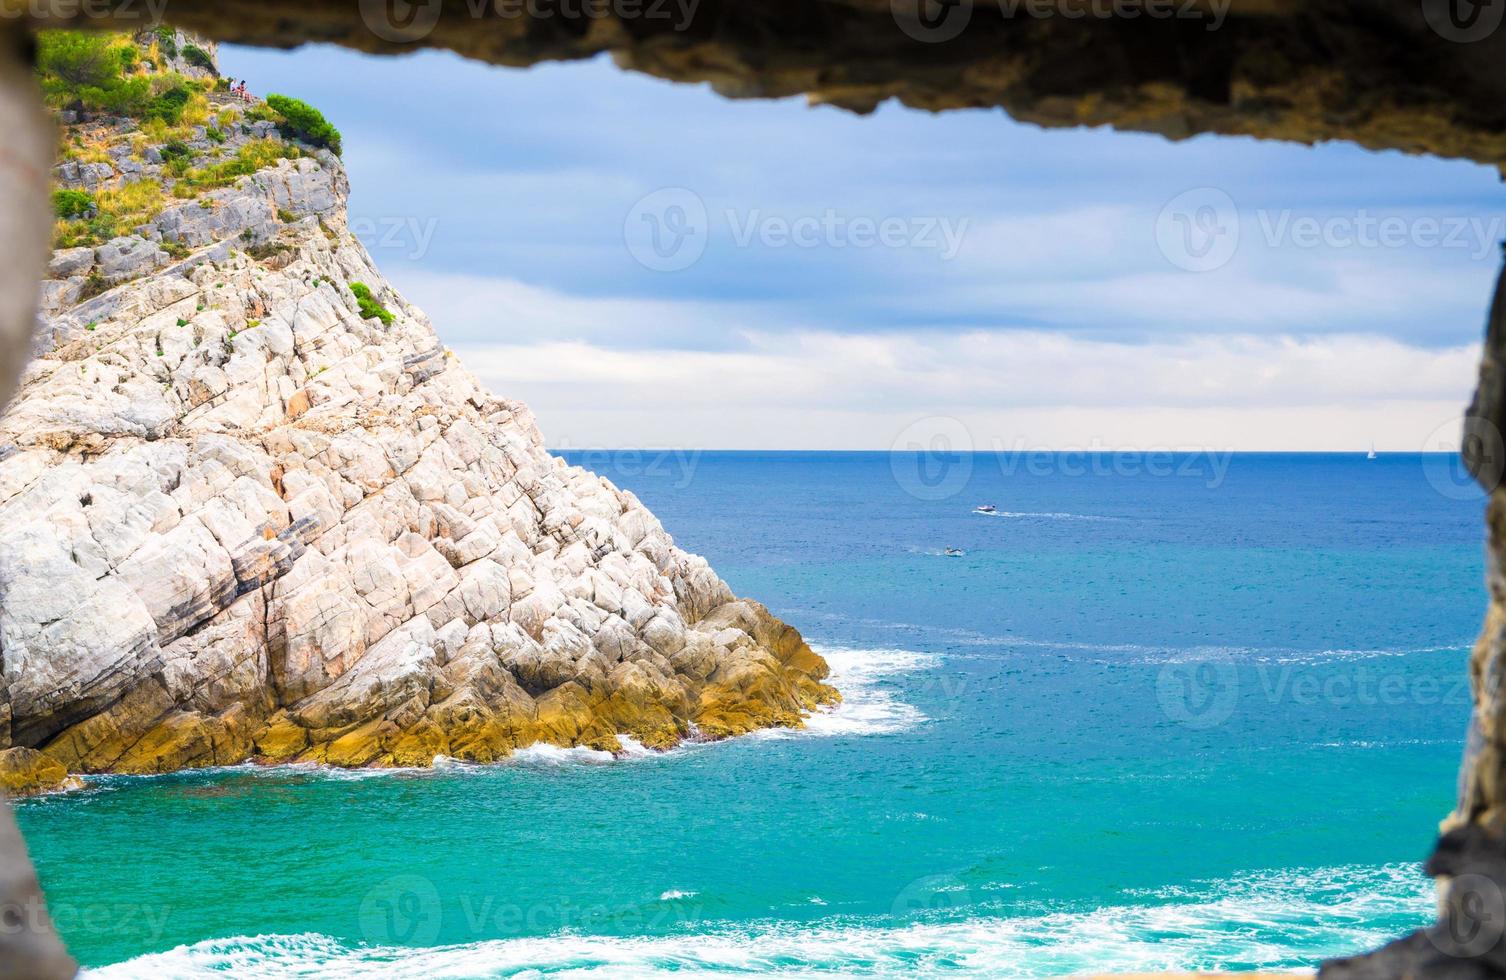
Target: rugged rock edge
[(241, 521)]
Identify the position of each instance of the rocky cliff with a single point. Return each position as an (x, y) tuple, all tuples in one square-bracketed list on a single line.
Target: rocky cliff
[(252, 508)]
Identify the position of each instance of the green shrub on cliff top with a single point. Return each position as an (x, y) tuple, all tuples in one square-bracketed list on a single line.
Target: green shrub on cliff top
[(199, 58), (167, 41), (302, 121), (85, 70), (77, 60)]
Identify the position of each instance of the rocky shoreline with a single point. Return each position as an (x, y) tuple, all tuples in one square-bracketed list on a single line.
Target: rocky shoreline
[(251, 509)]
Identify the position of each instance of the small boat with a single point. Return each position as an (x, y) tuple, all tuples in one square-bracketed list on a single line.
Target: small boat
[(954, 552), (1371, 453), (985, 509)]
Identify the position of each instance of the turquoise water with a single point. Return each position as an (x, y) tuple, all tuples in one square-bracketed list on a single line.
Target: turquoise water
[(1146, 721)]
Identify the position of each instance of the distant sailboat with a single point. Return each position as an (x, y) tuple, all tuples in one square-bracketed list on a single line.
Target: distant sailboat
[(1371, 453)]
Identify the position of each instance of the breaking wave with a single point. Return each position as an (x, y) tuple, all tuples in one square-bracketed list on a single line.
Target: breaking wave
[(1274, 920)]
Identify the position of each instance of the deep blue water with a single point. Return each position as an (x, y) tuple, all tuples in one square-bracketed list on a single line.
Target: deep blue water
[(1205, 716)]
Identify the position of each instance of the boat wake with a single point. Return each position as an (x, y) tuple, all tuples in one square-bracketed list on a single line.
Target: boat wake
[(1043, 515)]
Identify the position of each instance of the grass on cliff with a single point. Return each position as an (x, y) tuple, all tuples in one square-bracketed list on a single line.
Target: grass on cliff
[(120, 209), (98, 73), (252, 157)]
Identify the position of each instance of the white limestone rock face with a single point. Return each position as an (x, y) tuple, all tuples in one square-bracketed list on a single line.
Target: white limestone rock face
[(238, 520)]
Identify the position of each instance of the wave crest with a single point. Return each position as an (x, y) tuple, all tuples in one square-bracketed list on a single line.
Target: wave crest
[(1277, 920)]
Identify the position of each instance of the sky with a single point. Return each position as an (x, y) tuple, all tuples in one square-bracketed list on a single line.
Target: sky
[(652, 265)]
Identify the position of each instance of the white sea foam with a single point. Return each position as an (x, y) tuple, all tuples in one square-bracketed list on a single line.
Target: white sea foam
[(870, 705), (544, 754), (675, 894), (442, 764), (1273, 920)]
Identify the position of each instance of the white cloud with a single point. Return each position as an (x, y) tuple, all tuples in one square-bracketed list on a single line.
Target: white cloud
[(477, 309), (524, 180), (824, 390), (1087, 272)]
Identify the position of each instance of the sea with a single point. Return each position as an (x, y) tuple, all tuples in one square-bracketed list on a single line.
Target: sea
[(1153, 712)]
